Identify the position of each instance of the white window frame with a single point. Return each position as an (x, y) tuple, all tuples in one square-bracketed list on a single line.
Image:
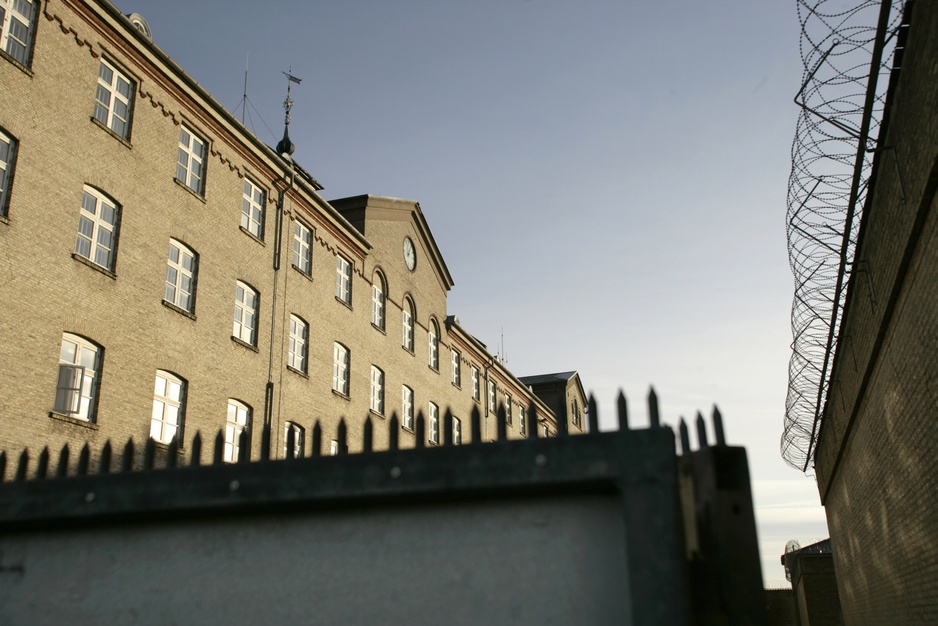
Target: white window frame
[(341, 361), (476, 392), (76, 392), (377, 390), (18, 41), (245, 314), (253, 201), (238, 420), (302, 247), (299, 341), (493, 396), (407, 325), (433, 345), (343, 279), (433, 424), (190, 167), (168, 416), (407, 407), (334, 448), (114, 98), (457, 431), (8, 145), (179, 289), (299, 439), (522, 420), (94, 226), (508, 409), (378, 301), (457, 367)]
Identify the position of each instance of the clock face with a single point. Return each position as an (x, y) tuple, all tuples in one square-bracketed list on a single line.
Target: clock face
[(410, 255)]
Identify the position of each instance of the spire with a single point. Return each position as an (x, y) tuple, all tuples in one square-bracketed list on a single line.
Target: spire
[(286, 146)]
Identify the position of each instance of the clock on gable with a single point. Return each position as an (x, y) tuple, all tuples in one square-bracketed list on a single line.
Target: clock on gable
[(410, 255)]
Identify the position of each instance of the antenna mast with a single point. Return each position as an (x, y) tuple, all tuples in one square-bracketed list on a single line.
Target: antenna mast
[(244, 98)]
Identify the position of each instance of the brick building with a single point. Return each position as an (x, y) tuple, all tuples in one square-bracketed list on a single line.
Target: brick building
[(877, 451), (137, 214)]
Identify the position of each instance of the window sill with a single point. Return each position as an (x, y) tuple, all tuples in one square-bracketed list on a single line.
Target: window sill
[(244, 344), (189, 189), (77, 421), (16, 64), (4, 219), (106, 129), (165, 446), (375, 413), (341, 395), (298, 372), (379, 329), (409, 429), (305, 275), (457, 386), (434, 369), (408, 350), (180, 310), (94, 266), (259, 240), (347, 305)]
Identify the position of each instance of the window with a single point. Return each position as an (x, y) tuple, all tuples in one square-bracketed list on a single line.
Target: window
[(475, 383), (298, 440), (190, 170), (334, 447), (340, 365), (492, 406), (169, 395), (18, 18), (299, 333), (457, 431), (433, 427), (522, 420), (97, 228), (508, 409), (252, 209), (575, 412), (457, 370), (180, 276), (7, 161), (433, 337), (245, 314), (343, 280), (377, 390), (407, 325), (239, 420), (113, 99), (377, 301), (76, 392), (407, 407), (302, 248)]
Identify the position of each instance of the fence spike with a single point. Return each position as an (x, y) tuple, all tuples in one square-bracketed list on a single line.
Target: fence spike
[(622, 408), (265, 442), (317, 439), (420, 431), (447, 427), (368, 436), (195, 457), (127, 463), (290, 444), (149, 453), (218, 454), (173, 451), (530, 415), (592, 413), (62, 470), (342, 437), (104, 464), (84, 460), (23, 465), (501, 428), (685, 437), (718, 426), (701, 431), (244, 446), (393, 432), (3, 466), (476, 425), (42, 469), (653, 417)]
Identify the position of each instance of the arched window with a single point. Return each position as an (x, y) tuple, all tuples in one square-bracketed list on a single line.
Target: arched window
[(245, 314), (76, 392), (433, 339), (239, 420), (340, 367), (299, 337), (377, 301), (97, 228), (181, 273), (407, 324), (7, 164), (377, 390), (169, 397), (299, 439)]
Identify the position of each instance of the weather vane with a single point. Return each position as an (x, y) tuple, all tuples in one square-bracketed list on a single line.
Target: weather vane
[(288, 103)]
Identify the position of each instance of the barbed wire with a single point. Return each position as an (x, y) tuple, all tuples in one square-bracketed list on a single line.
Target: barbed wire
[(826, 191)]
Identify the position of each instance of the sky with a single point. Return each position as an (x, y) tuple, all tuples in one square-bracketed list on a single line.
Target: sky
[(606, 181)]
